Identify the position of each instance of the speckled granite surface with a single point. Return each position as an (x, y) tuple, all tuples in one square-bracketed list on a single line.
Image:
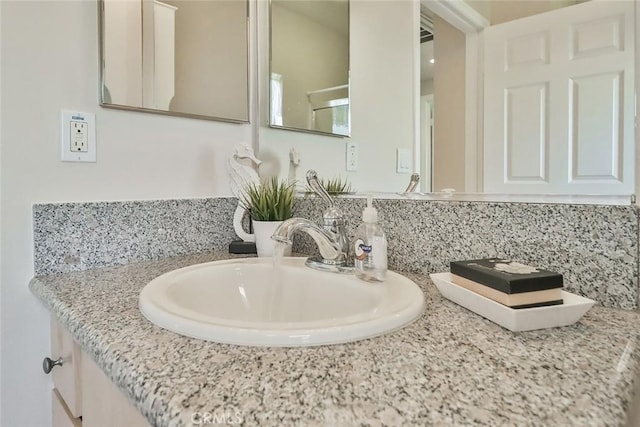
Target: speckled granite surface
[(80, 236), (595, 247), (450, 367)]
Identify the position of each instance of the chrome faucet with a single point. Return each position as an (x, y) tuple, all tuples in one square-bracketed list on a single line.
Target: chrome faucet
[(413, 183), (331, 238)]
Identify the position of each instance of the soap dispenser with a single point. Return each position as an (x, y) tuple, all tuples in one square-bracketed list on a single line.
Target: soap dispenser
[(370, 247)]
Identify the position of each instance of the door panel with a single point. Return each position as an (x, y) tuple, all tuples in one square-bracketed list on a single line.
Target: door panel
[(526, 133), (597, 37), (559, 102), (526, 51), (596, 127)]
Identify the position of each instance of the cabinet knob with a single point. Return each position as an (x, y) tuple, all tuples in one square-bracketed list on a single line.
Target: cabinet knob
[(48, 364)]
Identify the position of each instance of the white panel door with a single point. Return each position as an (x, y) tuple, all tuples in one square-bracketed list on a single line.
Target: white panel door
[(158, 54), (559, 101)]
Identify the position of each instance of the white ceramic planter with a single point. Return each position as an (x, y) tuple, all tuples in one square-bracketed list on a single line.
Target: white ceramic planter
[(263, 230)]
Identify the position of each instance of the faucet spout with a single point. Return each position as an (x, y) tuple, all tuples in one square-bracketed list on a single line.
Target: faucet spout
[(329, 243), (331, 238)]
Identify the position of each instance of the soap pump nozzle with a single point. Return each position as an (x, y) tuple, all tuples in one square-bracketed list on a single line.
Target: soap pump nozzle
[(370, 214)]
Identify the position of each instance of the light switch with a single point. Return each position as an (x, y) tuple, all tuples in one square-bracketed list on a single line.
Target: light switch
[(403, 163)]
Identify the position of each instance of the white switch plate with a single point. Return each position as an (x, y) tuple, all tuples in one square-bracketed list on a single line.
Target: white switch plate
[(78, 139), (403, 164), (352, 156)]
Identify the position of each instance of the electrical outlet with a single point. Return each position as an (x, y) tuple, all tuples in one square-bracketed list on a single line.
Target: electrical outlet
[(78, 135), (352, 156), (78, 139)]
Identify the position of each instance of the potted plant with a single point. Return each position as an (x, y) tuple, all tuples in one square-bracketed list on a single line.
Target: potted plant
[(335, 186), (269, 204)]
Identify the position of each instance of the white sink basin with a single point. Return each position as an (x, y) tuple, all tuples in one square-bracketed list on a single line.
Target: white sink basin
[(249, 302)]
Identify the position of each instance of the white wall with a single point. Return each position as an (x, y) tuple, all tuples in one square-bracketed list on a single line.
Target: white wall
[(384, 87), (123, 40), (508, 10), (1, 219), (426, 87), (50, 62), (309, 56), (501, 11), (209, 42), (449, 112)]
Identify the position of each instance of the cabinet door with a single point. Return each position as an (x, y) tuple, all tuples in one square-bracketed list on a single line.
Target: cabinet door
[(66, 378), (61, 415), (103, 403)]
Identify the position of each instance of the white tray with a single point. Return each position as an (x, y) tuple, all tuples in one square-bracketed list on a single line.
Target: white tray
[(523, 319)]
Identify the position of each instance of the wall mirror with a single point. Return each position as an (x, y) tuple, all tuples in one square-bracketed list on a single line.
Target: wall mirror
[(309, 66), (447, 123), (556, 107), (176, 57)]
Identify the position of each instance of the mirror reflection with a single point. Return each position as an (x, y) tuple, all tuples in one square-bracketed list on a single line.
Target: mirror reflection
[(179, 57), (456, 140), (557, 96), (309, 66)]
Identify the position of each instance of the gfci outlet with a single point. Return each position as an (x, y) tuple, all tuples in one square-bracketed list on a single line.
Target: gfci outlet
[(78, 135), (78, 140)]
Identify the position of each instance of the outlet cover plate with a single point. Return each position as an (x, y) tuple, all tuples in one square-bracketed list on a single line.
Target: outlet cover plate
[(78, 148), (403, 163), (351, 156)]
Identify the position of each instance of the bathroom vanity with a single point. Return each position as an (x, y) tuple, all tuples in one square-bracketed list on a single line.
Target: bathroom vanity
[(448, 367), (83, 396)]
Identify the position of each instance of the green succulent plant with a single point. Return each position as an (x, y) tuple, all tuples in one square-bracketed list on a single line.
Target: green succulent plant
[(335, 186), (271, 200)]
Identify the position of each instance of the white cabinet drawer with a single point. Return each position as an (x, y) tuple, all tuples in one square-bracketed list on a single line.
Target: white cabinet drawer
[(61, 415), (66, 377), (83, 390), (103, 403)]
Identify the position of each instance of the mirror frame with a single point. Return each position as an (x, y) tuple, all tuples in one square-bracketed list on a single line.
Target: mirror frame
[(101, 77), (316, 132)]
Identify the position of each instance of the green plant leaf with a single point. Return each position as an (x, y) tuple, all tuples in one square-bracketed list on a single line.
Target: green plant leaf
[(334, 186), (271, 200)]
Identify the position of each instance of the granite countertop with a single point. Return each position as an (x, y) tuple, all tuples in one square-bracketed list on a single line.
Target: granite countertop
[(450, 367)]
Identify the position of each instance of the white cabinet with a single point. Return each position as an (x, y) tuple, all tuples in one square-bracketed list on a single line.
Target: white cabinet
[(66, 376), (62, 416), (103, 404), (83, 396)]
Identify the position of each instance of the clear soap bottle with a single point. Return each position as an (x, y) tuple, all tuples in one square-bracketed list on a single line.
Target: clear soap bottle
[(370, 247)]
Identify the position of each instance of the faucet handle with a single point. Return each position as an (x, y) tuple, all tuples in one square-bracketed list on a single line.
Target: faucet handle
[(314, 183), (413, 183), (333, 216)]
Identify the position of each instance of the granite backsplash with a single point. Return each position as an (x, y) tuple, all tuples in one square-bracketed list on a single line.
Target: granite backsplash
[(594, 246)]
